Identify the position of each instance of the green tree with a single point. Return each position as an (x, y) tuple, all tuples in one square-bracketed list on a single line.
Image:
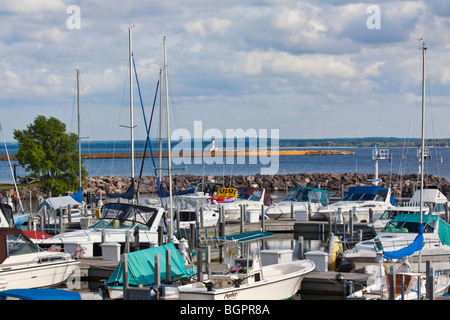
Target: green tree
[(50, 154)]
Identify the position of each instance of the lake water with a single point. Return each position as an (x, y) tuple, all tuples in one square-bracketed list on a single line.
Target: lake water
[(404, 160)]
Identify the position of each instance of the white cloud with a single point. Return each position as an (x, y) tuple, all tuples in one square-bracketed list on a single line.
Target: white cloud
[(33, 6)]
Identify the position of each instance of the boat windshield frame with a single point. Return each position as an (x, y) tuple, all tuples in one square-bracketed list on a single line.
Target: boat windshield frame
[(126, 216), (305, 195), (399, 226)]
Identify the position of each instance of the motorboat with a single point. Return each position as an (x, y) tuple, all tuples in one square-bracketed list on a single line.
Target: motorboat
[(360, 203), (433, 198), (408, 286), (302, 202), (250, 198), (242, 276), (400, 238), (118, 223), (24, 265)]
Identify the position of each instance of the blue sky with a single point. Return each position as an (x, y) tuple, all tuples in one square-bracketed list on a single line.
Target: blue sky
[(312, 69)]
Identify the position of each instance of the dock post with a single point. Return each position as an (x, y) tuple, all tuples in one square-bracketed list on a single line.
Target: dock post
[(207, 258), (300, 248), (330, 230), (157, 271), (125, 276), (136, 238), (192, 231), (350, 223), (292, 209), (161, 235), (263, 222), (370, 215), (69, 213), (127, 242), (391, 283), (168, 266), (242, 217), (199, 265), (430, 281)]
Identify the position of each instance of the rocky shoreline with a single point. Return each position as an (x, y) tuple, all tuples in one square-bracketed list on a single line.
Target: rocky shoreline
[(337, 183), (402, 186)]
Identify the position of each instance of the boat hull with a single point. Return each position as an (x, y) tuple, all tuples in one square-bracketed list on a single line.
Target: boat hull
[(38, 275), (277, 284)]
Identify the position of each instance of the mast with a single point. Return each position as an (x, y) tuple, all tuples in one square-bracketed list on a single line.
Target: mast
[(79, 136), (131, 101), (422, 154), (169, 149), (160, 123)]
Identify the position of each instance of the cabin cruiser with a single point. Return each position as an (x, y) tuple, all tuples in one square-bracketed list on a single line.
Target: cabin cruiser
[(432, 198), (303, 201), (390, 213), (249, 197), (24, 265), (405, 236), (118, 221), (360, 202)]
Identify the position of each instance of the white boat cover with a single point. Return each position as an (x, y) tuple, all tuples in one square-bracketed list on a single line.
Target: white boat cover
[(59, 202)]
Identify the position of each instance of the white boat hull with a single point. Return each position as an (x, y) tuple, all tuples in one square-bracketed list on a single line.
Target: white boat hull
[(280, 281), (37, 275)]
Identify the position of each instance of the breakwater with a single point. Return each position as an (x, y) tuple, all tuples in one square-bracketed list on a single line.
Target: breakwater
[(219, 153), (337, 183)]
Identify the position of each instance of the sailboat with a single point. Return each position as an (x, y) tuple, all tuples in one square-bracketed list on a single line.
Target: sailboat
[(18, 218), (119, 221), (418, 237), (79, 212)]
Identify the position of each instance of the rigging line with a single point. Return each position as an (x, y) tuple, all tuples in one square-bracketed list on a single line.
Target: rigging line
[(148, 142)]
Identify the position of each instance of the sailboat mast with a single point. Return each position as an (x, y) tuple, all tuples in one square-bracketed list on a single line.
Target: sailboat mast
[(169, 149), (131, 100), (160, 123), (79, 131), (422, 155)]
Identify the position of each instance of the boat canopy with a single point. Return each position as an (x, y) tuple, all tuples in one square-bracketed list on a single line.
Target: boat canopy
[(141, 266), (60, 202), (368, 193), (246, 236), (410, 223), (125, 215), (304, 194)]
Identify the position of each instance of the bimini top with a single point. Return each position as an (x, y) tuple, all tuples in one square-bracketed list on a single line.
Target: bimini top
[(368, 193), (410, 222), (246, 236)]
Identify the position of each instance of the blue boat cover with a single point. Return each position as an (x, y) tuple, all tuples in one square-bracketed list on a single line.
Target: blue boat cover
[(141, 266), (417, 245), (40, 294)]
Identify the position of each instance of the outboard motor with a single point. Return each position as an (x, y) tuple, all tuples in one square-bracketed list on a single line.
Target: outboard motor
[(164, 292), (103, 289)]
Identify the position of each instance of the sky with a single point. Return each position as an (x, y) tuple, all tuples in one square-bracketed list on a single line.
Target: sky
[(310, 69)]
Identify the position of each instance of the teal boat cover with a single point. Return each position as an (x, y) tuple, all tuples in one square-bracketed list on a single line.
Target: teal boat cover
[(246, 236), (141, 266), (444, 234)]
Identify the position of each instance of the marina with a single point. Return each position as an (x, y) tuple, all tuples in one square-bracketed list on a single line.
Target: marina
[(255, 223)]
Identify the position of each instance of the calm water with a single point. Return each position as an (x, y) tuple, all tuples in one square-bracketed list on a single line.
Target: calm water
[(404, 160)]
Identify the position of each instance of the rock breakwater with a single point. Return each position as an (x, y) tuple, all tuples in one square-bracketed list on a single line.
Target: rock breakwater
[(337, 183)]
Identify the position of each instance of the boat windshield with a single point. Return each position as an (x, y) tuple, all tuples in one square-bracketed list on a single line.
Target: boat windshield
[(303, 195), (17, 244), (363, 197), (250, 194), (125, 216), (406, 227)]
